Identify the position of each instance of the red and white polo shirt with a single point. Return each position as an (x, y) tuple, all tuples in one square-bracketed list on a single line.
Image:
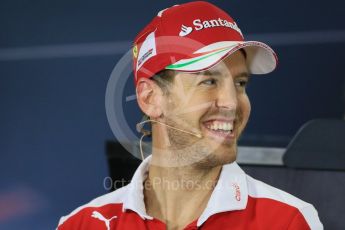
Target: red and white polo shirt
[(237, 202)]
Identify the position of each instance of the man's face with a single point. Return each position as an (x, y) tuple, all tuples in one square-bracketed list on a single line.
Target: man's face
[(213, 103)]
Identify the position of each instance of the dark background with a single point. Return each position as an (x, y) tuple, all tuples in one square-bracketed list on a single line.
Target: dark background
[(56, 58)]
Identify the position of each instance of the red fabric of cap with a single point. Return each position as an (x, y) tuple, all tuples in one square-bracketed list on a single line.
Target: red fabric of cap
[(177, 32)]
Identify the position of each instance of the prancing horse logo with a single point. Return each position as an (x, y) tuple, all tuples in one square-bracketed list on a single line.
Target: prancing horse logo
[(99, 216)]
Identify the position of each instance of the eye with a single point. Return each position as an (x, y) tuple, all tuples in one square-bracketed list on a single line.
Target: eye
[(241, 83), (209, 82)]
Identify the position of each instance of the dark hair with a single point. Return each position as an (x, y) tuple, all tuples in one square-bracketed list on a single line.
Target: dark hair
[(244, 53), (164, 79)]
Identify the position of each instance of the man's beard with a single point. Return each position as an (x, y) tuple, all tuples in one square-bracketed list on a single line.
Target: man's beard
[(188, 150)]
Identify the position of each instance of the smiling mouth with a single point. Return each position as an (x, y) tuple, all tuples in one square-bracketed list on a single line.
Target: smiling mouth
[(220, 129)]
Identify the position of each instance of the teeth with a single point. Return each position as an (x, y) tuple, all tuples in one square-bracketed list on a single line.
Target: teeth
[(224, 126)]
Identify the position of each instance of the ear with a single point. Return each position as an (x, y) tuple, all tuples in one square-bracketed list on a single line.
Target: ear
[(149, 97)]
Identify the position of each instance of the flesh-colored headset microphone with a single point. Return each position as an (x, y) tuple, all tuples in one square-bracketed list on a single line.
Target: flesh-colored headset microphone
[(145, 132)]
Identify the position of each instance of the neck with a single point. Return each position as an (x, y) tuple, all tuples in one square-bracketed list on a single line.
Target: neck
[(178, 195)]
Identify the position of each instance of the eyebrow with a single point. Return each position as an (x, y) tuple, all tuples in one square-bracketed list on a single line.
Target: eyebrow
[(210, 73), (243, 74), (219, 73)]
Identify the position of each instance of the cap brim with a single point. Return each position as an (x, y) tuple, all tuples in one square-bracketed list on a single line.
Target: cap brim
[(261, 59)]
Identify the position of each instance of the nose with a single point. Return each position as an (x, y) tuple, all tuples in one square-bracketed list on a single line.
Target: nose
[(227, 96)]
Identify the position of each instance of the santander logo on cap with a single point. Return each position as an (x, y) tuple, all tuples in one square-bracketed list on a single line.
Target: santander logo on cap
[(185, 30), (200, 25)]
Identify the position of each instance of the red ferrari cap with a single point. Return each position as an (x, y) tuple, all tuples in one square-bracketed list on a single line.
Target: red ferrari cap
[(193, 37)]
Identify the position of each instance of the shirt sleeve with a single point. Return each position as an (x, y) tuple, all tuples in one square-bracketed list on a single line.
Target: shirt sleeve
[(306, 218)]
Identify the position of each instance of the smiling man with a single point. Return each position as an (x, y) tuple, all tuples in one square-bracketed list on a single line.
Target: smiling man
[(191, 68)]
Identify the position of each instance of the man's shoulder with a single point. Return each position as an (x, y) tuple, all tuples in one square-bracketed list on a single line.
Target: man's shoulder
[(259, 189), (269, 198), (106, 205)]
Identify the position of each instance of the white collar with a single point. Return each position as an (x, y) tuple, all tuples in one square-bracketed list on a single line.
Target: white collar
[(230, 193)]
